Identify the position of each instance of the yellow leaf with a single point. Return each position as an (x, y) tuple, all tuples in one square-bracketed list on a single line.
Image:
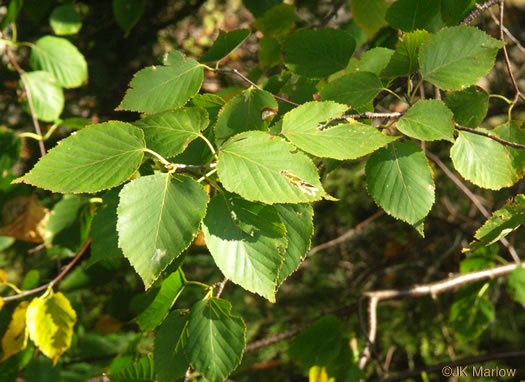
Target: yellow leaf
[(15, 338), (50, 320), (318, 374), (2, 303), (3, 276)]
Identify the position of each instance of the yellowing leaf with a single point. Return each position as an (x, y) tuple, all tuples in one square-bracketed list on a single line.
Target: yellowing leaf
[(25, 219), (50, 320), (2, 303), (318, 374), (15, 338), (3, 276)]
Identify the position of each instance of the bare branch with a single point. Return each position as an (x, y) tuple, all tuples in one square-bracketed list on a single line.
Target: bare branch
[(493, 137), (50, 284), (333, 13), (478, 11)]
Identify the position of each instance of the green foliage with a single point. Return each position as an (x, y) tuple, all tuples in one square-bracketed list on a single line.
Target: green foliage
[(233, 174)]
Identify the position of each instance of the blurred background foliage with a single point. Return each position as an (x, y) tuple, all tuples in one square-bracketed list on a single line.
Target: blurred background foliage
[(384, 254)]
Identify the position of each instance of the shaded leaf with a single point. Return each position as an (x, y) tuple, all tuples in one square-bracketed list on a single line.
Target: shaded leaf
[(513, 131), (399, 179), (298, 221), (170, 210), (46, 95), (170, 132), (516, 285), (483, 161), (168, 354), (369, 14), (11, 147), (264, 168), (14, 339), (405, 61), (456, 57), (62, 59), (470, 314), (277, 20), (247, 241), (141, 371), (226, 43), (453, 11), (216, 339), (253, 109), (375, 60), (155, 89), (428, 120), (65, 20), (469, 106), (409, 15), (318, 53), (25, 219), (95, 158), (50, 320), (354, 89), (13, 10), (155, 313), (63, 215), (128, 13), (104, 237), (258, 7)]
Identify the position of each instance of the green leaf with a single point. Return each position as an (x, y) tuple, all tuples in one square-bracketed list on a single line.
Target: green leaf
[(453, 11), (513, 131), (75, 123), (270, 52), (516, 285), (253, 109), (155, 89), (317, 53), (208, 101), (469, 106), (46, 94), (216, 339), (277, 21), (128, 13), (405, 61), (104, 237), (354, 89), (298, 221), (13, 10), (155, 313), (457, 57), (169, 210), (50, 320), (501, 223), (344, 141), (168, 353), (480, 259), (483, 161), (62, 59), (247, 242), (264, 168), (428, 120), (409, 15), (470, 314), (95, 158), (375, 60), (65, 20), (226, 43), (63, 215), (258, 7), (15, 337), (369, 14), (141, 371), (319, 344), (11, 147), (399, 179), (170, 132)]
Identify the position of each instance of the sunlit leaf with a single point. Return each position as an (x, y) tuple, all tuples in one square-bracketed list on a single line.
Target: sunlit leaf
[(50, 320), (428, 120), (516, 285), (65, 20), (46, 95), (15, 337)]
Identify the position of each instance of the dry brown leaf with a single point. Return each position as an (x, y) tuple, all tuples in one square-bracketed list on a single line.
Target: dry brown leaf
[(25, 219)]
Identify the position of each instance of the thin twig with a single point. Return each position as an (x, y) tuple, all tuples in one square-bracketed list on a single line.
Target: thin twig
[(333, 13), (20, 71), (52, 283), (274, 339), (507, 32), (474, 200), (222, 284), (235, 71), (432, 289), (478, 11), (462, 362), (347, 235), (506, 55), (493, 137)]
